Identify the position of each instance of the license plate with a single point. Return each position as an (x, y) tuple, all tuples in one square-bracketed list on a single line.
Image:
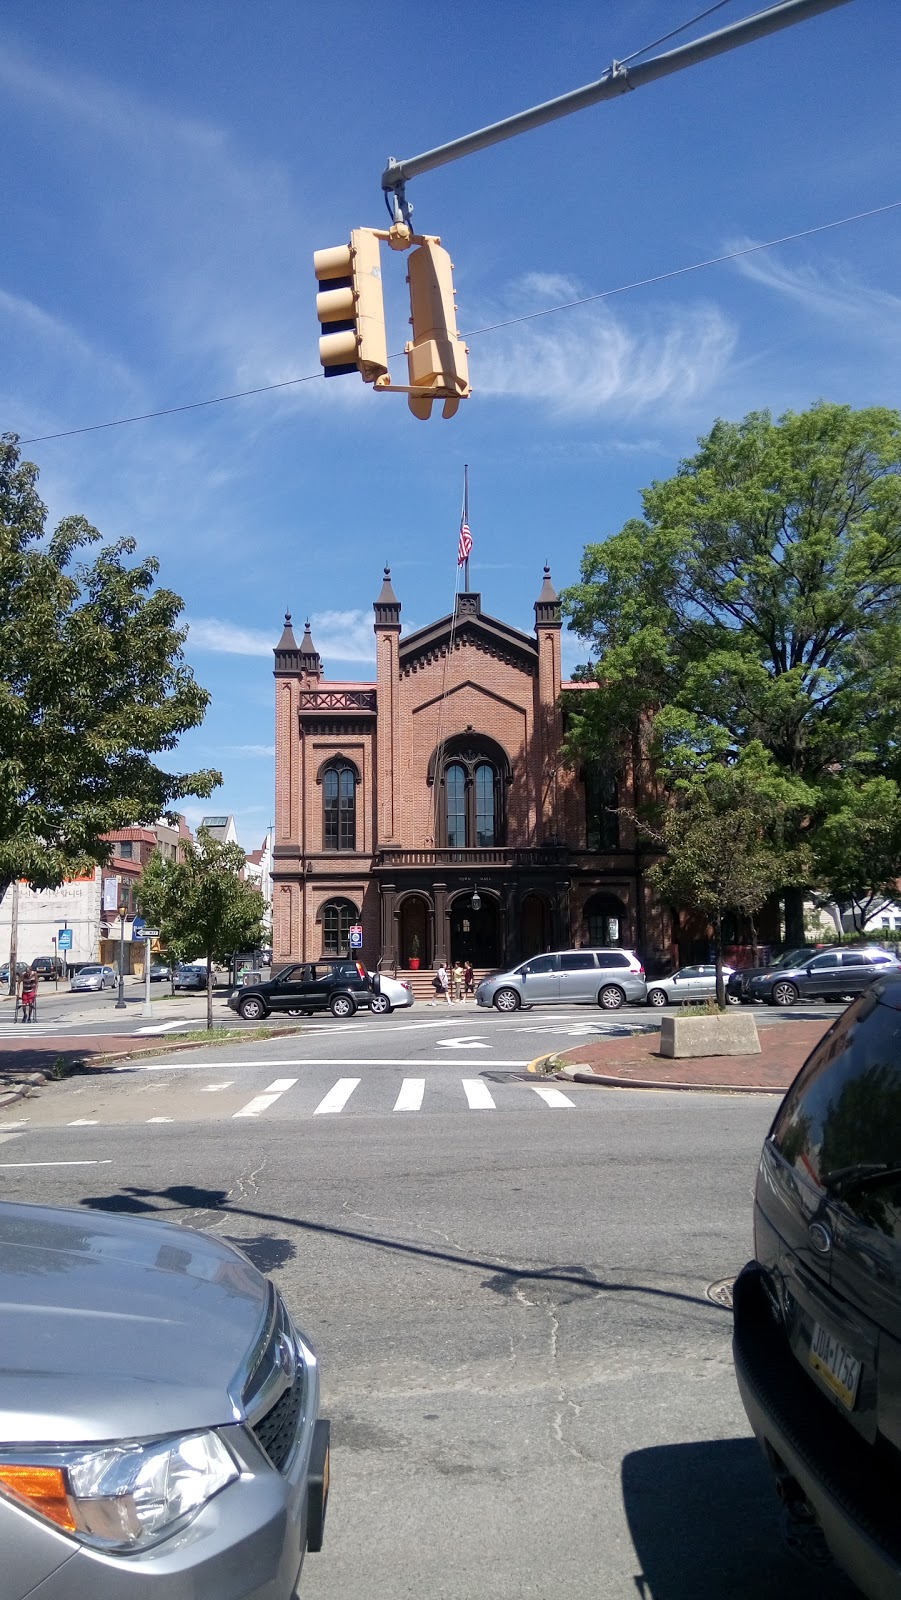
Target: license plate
[(839, 1370)]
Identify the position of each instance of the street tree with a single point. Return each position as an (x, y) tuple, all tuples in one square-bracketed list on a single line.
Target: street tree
[(722, 842), (858, 848), (93, 688), (757, 599), (202, 903)]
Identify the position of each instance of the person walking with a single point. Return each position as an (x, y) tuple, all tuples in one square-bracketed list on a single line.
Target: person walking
[(469, 979), (442, 983), (29, 995), (458, 981)]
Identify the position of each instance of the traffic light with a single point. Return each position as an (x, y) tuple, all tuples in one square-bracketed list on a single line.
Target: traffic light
[(351, 308), (436, 355)]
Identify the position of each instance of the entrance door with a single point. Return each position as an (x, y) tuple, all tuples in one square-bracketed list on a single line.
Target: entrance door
[(534, 925), (475, 934)]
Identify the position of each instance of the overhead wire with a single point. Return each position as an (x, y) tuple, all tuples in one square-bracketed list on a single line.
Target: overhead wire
[(491, 327), (623, 61)]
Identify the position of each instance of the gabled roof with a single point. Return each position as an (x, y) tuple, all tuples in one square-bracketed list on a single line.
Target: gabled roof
[(470, 625)]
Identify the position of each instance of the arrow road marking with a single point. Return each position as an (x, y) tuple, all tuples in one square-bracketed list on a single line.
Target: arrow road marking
[(472, 1042)]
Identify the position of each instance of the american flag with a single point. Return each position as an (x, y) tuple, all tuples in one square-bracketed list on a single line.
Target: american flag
[(465, 544)]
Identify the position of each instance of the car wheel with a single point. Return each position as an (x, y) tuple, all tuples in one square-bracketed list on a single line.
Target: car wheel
[(341, 1005), (784, 993), (656, 997), (251, 1009), (380, 1004), (733, 1000), (611, 997), (506, 1000)]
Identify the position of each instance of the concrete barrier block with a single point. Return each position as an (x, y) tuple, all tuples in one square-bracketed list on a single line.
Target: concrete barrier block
[(732, 1034)]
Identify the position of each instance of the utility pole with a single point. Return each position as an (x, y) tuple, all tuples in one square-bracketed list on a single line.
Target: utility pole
[(13, 940), (618, 79)]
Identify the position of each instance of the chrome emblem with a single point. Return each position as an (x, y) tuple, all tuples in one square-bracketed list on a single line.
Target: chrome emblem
[(286, 1358), (820, 1237)]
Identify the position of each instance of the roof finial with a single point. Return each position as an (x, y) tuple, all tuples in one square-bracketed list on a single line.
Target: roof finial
[(287, 619)]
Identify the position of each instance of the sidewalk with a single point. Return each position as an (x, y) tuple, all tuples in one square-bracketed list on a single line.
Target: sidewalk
[(636, 1063)]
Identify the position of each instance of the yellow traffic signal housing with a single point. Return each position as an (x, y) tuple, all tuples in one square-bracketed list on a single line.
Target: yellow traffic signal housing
[(436, 355), (351, 308)]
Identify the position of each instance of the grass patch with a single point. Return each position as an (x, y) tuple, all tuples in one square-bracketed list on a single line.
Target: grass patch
[(230, 1035), (704, 1008)]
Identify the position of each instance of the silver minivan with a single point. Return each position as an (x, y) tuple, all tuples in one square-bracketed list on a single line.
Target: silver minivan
[(606, 978)]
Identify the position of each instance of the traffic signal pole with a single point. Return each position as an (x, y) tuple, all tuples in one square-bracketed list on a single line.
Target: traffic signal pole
[(618, 79)]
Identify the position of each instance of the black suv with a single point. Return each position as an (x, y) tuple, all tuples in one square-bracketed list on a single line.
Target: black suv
[(738, 985), (817, 1338), (335, 986), (832, 974)]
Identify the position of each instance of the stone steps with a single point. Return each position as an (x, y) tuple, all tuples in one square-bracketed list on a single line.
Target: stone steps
[(422, 983)]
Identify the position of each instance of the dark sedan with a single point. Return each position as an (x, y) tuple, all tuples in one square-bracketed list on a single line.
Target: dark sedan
[(830, 975)]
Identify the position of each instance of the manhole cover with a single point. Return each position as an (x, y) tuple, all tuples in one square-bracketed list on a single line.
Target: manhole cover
[(721, 1293)]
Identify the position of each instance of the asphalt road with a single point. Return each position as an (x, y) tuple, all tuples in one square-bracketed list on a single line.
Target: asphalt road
[(530, 1393)]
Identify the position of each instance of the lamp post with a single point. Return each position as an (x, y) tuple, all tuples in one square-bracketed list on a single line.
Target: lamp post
[(120, 1003)]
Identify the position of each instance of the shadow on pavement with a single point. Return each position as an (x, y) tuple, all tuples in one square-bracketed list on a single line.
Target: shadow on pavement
[(706, 1523)]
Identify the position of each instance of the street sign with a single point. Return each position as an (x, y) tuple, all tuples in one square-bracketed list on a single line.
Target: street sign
[(356, 937), (137, 928), (64, 939), (150, 933)]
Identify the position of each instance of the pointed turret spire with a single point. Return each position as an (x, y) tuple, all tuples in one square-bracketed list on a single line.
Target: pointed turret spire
[(387, 606), (310, 661), (287, 660), (287, 640), (547, 606)]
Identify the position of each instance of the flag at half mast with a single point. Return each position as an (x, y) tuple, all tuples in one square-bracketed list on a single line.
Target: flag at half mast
[(465, 544)]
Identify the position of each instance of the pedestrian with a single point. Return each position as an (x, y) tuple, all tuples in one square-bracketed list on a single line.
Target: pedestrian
[(29, 995), (469, 978), (458, 981), (442, 983)]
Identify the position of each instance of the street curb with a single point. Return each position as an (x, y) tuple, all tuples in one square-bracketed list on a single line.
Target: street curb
[(606, 1082), (20, 1091), (188, 1044)]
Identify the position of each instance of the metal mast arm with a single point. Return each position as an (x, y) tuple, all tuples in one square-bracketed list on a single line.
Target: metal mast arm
[(617, 80)]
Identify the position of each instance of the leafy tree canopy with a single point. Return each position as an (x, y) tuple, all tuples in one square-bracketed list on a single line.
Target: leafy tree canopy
[(758, 600), (93, 687), (858, 847), (202, 903)]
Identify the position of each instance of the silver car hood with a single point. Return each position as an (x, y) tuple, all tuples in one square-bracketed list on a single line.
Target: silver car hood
[(115, 1327)]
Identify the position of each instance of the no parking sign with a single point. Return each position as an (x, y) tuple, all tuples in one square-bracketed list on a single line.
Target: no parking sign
[(356, 936)]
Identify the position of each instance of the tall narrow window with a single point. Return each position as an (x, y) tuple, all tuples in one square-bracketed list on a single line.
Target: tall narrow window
[(339, 807), (337, 916), (486, 833), (601, 800), (456, 806)]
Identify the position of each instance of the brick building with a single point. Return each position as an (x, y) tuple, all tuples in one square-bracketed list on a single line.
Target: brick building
[(398, 801)]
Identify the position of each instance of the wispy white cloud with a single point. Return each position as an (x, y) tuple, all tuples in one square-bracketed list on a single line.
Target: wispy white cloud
[(260, 750), (592, 361), (833, 293), (228, 638), (344, 635)]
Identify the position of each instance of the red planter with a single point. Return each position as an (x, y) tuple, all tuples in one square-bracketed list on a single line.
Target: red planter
[(413, 962)]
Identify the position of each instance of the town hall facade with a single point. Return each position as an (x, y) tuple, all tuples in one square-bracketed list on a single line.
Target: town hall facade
[(433, 808)]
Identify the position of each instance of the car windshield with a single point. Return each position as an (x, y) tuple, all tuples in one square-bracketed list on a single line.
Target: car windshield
[(88, 972)]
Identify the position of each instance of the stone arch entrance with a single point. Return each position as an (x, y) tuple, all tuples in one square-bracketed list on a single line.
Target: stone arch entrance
[(534, 925), (475, 934), (414, 930), (606, 920)]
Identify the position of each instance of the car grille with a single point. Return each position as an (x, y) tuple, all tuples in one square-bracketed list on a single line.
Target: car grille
[(277, 1429)]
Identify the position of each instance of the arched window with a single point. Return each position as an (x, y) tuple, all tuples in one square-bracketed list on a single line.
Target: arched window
[(339, 806), (601, 801), (455, 785), (473, 811), (337, 916)]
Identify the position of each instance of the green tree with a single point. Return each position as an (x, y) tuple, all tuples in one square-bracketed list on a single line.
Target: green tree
[(722, 838), (93, 687), (757, 599), (203, 903), (858, 847)]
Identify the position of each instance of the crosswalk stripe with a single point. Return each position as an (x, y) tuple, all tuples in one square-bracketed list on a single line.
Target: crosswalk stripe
[(262, 1102), (337, 1097), (552, 1097), (84, 1122), (478, 1095), (411, 1093)]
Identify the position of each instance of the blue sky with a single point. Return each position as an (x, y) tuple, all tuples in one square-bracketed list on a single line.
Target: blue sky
[(169, 170)]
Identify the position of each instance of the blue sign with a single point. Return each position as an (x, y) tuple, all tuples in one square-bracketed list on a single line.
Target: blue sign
[(64, 939), (137, 928), (356, 937)]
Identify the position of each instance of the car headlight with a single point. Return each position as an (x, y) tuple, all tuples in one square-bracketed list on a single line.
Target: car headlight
[(120, 1496)]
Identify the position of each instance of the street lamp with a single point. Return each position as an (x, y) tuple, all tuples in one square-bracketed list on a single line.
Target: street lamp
[(120, 1003), (476, 900)]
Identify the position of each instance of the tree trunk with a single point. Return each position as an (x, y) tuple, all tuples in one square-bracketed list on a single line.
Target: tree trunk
[(794, 917), (209, 992), (754, 961), (718, 960)]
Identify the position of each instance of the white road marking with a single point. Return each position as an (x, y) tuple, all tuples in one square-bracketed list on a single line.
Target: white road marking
[(411, 1093), (5, 1137), (303, 1061), (262, 1102), (478, 1095), (471, 1042), (84, 1122), (106, 1163), (160, 1119), (552, 1097), (19, 1122), (337, 1097), (213, 1088), (166, 1027)]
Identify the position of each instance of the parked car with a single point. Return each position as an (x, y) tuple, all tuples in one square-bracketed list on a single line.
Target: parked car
[(159, 1415), (739, 985), (95, 978), (817, 1335), (160, 971), (834, 974), (309, 986), (47, 967), (685, 986), (388, 994), (607, 978), (21, 969), (190, 977)]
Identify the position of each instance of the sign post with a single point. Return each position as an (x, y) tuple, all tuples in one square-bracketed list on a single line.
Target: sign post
[(148, 935), (356, 936), (64, 942)]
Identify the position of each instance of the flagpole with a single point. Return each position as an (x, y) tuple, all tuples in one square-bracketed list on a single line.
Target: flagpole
[(466, 520)]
